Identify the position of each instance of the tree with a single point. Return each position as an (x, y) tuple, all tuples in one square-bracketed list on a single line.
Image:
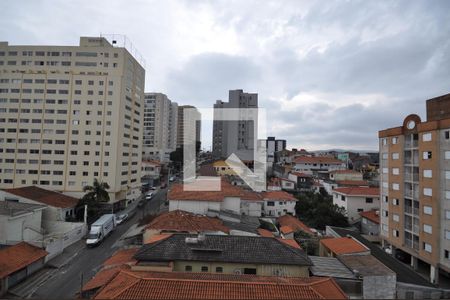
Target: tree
[(95, 195), (318, 211), (177, 156)]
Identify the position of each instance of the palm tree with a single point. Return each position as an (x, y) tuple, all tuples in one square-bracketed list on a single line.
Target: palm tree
[(95, 194)]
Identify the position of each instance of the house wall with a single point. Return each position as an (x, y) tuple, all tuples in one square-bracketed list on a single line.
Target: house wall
[(370, 228), (21, 228), (287, 185), (354, 203), (232, 268), (251, 208), (232, 204), (196, 207), (346, 176), (280, 208)]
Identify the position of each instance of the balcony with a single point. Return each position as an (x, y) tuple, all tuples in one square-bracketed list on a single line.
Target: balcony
[(411, 177), (412, 244), (412, 194), (409, 144)]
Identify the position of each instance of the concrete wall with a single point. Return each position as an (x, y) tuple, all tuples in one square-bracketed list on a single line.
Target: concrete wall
[(370, 228), (280, 208), (232, 204), (352, 203), (197, 207), (21, 228), (379, 287), (251, 208)]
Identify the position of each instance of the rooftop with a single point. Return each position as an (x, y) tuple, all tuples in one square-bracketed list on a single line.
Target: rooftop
[(352, 183), (44, 196), (279, 195), (317, 160), (223, 248), (345, 172), (371, 215), (358, 191), (329, 267), (121, 257), (153, 285), (14, 209), (343, 245), (366, 265), (291, 224), (182, 221), (14, 258), (300, 174)]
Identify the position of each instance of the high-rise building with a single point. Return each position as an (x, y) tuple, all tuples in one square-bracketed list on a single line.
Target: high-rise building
[(69, 114), (273, 145), (234, 136), (415, 187), (160, 127), (180, 133)]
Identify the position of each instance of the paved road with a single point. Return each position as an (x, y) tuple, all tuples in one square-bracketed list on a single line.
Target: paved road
[(66, 281)]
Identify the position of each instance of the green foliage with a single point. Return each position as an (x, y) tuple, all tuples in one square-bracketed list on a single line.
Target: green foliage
[(308, 242), (177, 156), (318, 211), (95, 194)]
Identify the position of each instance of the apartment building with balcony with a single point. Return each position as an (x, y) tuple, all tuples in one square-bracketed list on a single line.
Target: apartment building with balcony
[(69, 114), (160, 127), (181, 125), (415, 187)]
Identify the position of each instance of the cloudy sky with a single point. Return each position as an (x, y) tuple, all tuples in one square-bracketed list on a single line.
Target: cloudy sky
[(330, 73)]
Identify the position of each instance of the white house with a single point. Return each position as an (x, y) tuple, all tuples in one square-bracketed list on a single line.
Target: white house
[(278, 203), (20, 222), (317, 164), (346, 175), (356, 199), (150, 173), (59, 207), (278, 184)]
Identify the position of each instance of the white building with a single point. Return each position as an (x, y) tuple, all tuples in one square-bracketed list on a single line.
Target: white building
[(160, 127), (70, 114), (346, 175), (317, 164), (151, 172), (356, 199)]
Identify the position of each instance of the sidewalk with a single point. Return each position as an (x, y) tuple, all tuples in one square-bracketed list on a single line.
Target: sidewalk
[(67, 255)]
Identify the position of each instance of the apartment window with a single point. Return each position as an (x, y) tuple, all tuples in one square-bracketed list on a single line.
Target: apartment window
[(447, 154), (385, 213), (395, 171), (385, 170), (395, 233), (427, 173), (395, 155), (385, 184), (426, 137), (447, 195), (384, 141), (395, 217), (395, 202), (270, 203), (447, 237), (428, 210), (219, 269), (447, 214), (427, 192), (426, 155), (394, 140), (204, 269), (447, 175), (188, 268), (369, 200), (395, 186), (427, 247), (447, 135)]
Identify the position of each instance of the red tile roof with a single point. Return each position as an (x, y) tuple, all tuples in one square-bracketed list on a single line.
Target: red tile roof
[(317, 160), (300, 174), (358, 191), (14, 258), (177, 192), (345, 172), (183, 221), (44, 196), (279, 195), (371, 215), (156, 237), (290, 224), (101, 278), (343, 245), (132, 285), (121, 257), (352, 182), (290, 242), (265, 232)]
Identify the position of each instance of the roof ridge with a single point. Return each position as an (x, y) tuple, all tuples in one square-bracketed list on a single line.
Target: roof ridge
[(294, 250)]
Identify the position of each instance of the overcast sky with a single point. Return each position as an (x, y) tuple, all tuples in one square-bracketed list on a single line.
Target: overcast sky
[(331, 74)]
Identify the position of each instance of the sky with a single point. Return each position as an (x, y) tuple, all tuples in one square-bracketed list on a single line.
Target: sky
[(330, 74)]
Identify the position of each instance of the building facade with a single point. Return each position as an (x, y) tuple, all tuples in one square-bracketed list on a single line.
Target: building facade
[(160, 127), (234, 136), (415, 187), (180, 130), (70, 114)]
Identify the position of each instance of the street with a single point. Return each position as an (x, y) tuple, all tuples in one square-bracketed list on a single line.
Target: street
[(66, 281)]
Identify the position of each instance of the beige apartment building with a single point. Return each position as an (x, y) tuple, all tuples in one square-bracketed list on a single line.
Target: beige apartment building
[(181, 125), (160, 127), (415, 188), (69, 114)]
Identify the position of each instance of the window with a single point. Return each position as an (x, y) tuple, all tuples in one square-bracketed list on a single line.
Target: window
[(270, 203), (369, 200), (395, 155), (385, 170), (394, 140), (394, 233), (188, 268), (426, 137), (219, 269), (447, 195), (395, 217), (395, 186), (446, 253), (342, 198), (395, 202), (447, 237), (447, 214), (427, 192), (426, 155), (428, 210), (427, 228), (447, 154), (427, 173), (395, 171), (447, 175), (447, 135), (384, 141), (251, 271), (384, 156), (427, 247), (204, 269)]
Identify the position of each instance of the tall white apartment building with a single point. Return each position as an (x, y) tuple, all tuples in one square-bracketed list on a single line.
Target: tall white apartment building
[(160, 127), (234, 136), (181, 125), (69, 114)]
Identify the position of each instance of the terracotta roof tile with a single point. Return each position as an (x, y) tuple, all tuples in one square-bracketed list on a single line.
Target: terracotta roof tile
[(123, 256), (345, 172), (177, 192), (290, 242), (132, 285), (290, 223), (101, 278), (44, 196), (343, 245), (371, 215), (352, 183), (156, 238), (358, 191), (265, 232), (300, 174), (183, 221), (279, 195), (14, 258)]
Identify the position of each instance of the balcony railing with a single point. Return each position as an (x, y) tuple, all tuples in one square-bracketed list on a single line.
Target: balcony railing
[(414, 194), (412, 177), (411, 144)]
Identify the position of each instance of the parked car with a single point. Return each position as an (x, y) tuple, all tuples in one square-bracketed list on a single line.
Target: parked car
[(121, 219), (153, 188), (149, 196), (172, 178)]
